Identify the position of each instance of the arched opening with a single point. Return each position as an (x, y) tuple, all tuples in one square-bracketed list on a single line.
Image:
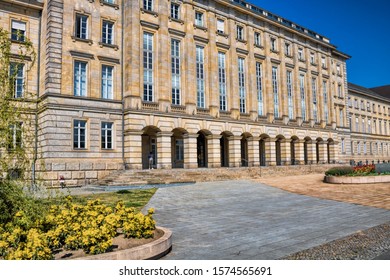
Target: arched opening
[(201, 149), (244, 149), (305, 149), (294, 143), (149, 147), (262, 152), (224, 145), (278, 150), (177, 150)]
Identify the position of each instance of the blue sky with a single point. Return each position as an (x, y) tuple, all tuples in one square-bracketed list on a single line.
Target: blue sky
[(358, 28)]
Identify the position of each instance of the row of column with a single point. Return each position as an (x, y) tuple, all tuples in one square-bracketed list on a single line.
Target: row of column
[(276, 151)]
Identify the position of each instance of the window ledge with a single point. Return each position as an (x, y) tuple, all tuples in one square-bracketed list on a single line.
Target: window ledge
[(176, 20), (113, 5), (258, 46), (101, 44), (288, 55), (241, 40), (149, 12), (18, 41), (200, 27), (223, 34), (274, 51), (89, 41)]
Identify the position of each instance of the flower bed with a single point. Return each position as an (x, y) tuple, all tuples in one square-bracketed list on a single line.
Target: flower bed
[(72, 227), (363, 174)]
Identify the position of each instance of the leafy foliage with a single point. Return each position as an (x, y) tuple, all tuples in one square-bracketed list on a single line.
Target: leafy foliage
[(339, 171), (15, 112), (72, 226)]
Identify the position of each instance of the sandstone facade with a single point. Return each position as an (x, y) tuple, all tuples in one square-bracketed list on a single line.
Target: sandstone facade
[(194, 83)]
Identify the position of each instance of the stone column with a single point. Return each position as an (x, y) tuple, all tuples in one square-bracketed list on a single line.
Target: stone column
[(214, 151), (323, 152), (164, 150), (311, 151), (285, 150), (235, 151), (270, 151), (299, 152), (133, 149), (190, 150), (333, 152), (253, 151)]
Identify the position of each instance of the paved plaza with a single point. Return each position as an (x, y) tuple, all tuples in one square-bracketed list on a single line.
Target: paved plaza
[(249, 220)]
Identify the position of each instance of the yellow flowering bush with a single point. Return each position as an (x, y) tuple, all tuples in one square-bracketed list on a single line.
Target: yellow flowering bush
[(72, 226)]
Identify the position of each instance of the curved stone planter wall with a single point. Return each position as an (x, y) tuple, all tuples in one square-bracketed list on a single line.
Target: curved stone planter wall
[(357, 180), (153, 250)]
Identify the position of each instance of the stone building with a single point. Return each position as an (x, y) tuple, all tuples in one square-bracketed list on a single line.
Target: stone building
[(192, 84)]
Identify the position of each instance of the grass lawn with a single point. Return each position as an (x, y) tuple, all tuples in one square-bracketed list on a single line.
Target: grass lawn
[(131, 198)]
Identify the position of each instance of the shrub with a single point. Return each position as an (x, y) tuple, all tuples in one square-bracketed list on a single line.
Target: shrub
[(72, 226), (339, 171)]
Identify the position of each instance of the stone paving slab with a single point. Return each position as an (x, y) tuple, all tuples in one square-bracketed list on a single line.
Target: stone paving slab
[(249, 220)]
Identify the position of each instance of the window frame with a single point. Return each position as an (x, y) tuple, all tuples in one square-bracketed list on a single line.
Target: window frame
[(199, 21), (105, 39), (175, 13), (78, 29), (16, 80), (79, 128), (104, 131), (17, 35), (104, 94)]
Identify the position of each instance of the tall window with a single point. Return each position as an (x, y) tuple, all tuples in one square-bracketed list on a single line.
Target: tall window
[(17, 79), (275, 90), (340, 91), (323, 62), (312, 58), (79, 134), (148, 5), (18, 30), (175, 66), (287, 49), (80, 78), (148, 66), (220, 26), (108, 32), (314, 99), (15, 136), (325, 95), (259, 84), (257, 39), (363, 125), (303, 97), (240, 33), (300, 54), (106, 133), (107, 82), (273, 44), (369, 125), (241, 84), (199, 19), (200, 82), (81, 26), (356, 124), (222, 81), (290, 95), (342, 145), (341, 116), (175, 11)]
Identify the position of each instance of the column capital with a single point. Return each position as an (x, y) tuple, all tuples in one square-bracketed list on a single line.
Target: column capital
[(254, 138), (191, 135), (134, 132), (213, 136)]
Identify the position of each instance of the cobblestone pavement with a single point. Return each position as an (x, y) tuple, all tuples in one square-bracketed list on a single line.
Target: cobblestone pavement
[(375, 195), (249, 220)]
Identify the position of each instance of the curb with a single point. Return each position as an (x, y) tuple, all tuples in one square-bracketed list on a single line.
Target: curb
[(151, 251)]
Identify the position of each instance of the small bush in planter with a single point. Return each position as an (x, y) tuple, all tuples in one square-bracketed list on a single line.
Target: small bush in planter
[(339, 171)]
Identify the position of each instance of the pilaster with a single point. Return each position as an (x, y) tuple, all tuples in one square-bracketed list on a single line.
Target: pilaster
[(270, 151), (164, 149), (235, 151), (253, 151), (214, 151), (133, 149), (190, 150)]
